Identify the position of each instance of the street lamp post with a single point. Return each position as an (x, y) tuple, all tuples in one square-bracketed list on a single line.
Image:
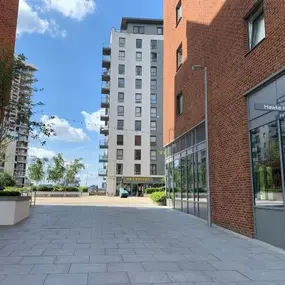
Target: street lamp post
[(197, 68)]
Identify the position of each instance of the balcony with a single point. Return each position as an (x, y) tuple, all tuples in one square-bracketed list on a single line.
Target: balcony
[(102, 172), (105, 101), (105, 165), (103, 144), (106, 49), (106, 75), (104, 178), (104, 130), (105, 88), (106, 61), (18, 173), (103, 158), (104, 116)]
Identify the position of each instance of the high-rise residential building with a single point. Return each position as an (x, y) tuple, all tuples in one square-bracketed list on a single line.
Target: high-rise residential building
[(8, 25), (132, 100), (15, 160), (239, 44)]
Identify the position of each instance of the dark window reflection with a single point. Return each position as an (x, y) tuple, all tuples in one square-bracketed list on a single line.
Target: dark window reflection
[(177, 179), (190, 177), (266, 165), (184, 177)]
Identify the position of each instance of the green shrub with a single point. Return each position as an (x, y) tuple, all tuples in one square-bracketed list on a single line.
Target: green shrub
[(158, 197), (34, 188), (83, 189), (14, 189), (69, 189), (153, 190), (6, 179), (10, 193), (44, 188)]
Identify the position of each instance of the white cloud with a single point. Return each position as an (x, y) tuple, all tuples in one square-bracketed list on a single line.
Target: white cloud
[(30, 22), (64, 131), (92, 121), (75, 9), (41, 152)]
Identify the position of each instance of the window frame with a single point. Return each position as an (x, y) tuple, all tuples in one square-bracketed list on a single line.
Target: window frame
[(153, 46), (138, 140), (153, 86), (120, 136), (122, 55), (135, 169), (123, 69), (160, 29), (178, 7), (152, 128), (140, 30), (138, 111), (139, 58), (138, 101), (139, 46), (138, 151), (120, 156), (153, 143), (151, 71), (120, 129), (152, 172), (137, 86), (121, 80), (122, 44), (257, 12), (120, 113), (139, 68), (140, 124), (122, 169), (152, 101), (121, 99), (179, 57), (152, 114), (179, 104), (153, 58), (151, 156)]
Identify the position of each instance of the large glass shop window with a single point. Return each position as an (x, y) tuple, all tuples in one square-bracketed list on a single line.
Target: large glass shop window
[(177, 179), (267, 181)]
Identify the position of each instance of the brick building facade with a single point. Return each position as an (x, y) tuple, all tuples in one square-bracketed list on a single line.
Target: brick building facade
[(8, 25), (216, 34)]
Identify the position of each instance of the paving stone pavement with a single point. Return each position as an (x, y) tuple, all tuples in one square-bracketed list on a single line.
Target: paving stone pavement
[(97, 245)]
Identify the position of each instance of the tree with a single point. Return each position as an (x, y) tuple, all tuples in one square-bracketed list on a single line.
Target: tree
[(18, 110), (6, 180), (72, 171), (57, 170), (36, 171)]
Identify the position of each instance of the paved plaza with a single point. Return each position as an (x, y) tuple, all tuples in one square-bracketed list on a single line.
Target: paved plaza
[(125, 244)]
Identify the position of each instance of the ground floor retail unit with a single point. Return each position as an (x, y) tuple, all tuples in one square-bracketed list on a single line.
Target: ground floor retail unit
[(186, 182)]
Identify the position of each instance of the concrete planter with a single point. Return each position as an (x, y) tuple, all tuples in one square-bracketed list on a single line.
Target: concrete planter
[(13, 210), (169, 203), (57, 194)]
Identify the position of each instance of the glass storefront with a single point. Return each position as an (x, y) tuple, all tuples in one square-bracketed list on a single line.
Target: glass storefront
[(186, 173), (266, 164)]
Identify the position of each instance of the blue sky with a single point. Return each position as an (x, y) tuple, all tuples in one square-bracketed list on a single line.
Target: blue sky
[(63, 39)]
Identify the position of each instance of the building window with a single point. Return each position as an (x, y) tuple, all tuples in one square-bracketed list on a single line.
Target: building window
[(121, 82), (120, 154), (153, 169), (122, 42), (138, 70), (138, 154), (122, 55), (153, 84), (119, 169), (138, 126), (256, 27), (138, 140), (153, 57), (138, 43), (153, 126), (121, 97), (138, 56), (179, 57), (153, 140), (153, 44), (153, 155), (179, 104), (160, 31), (153, 112), (120, 140), (120, 111), (138, 111), (153, 71), (120, 125), (138, 84), (138, 29), (138, 98), (121, 69), (178, 12), (153, 98), (137, 169)]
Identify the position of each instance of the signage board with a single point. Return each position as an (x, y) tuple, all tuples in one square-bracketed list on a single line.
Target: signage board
[(269, 107), (280, 116), (138, 180), (281, 100)]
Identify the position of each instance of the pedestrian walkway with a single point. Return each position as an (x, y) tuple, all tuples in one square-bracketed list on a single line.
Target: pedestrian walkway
[(77, 245)]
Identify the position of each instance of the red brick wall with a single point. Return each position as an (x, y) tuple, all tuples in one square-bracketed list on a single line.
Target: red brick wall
[(213, 33), (8, 24)]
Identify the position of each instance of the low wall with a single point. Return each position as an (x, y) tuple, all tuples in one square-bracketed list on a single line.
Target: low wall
[(57, 194), (13, 210)]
